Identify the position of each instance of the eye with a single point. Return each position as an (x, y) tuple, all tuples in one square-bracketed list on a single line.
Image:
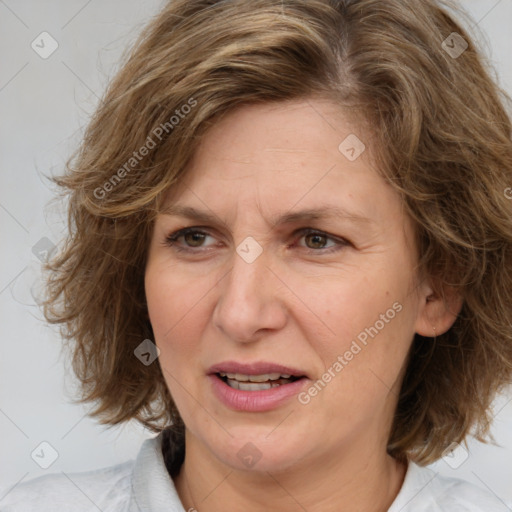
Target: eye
[(318, 241), (193, 239)]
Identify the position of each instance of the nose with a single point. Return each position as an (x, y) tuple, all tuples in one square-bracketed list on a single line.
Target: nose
[(249, 303)]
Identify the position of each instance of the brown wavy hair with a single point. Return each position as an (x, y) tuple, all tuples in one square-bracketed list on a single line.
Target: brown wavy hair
[(441, 136)]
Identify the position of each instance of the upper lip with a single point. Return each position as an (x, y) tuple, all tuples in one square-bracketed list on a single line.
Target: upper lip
[(256, 368)]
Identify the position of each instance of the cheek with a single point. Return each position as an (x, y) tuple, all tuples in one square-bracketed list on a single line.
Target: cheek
[(176, 305), (370, 320)]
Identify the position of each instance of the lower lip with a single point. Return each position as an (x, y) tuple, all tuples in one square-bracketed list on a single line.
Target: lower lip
[(255, 401)]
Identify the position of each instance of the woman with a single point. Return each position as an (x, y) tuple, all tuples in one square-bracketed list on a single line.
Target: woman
[(290, 255)]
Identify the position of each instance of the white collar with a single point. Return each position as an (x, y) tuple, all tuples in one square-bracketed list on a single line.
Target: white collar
[(152, 487)]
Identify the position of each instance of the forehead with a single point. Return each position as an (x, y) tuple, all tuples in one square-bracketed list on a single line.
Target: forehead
[(290, 144), (279, 156), (288, 132)]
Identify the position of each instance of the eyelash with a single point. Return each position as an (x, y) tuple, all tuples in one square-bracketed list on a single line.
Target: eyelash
[(171, 240)]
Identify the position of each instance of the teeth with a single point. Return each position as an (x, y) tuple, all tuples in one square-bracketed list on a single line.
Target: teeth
[(255, 378), (251, 386), (264, 378)]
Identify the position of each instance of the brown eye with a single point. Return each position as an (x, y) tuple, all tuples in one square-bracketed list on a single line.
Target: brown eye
[(315, 240), (194, 238), (188, 239), (319, 242)]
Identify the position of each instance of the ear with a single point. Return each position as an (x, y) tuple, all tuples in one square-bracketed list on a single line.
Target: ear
[(437, 310)]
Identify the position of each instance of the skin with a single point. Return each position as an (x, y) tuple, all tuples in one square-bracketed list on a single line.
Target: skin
[(297, 304)]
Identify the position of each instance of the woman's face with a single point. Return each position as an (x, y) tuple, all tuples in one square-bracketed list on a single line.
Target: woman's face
[(298, 261)]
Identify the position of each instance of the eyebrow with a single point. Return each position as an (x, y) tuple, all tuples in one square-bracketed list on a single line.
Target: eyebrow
[(310, 214)]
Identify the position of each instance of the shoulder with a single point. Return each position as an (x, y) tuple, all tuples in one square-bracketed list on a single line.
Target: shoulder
[(458, 495), (107, 489), (426, 490)]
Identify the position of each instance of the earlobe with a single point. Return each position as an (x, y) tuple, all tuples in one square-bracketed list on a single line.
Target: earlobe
[(438, 313)]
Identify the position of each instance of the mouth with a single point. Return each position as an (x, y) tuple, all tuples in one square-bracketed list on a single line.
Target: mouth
[(256, 382), (255, 387)]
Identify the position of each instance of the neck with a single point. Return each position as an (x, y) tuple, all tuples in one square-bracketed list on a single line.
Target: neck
[(359, 478)]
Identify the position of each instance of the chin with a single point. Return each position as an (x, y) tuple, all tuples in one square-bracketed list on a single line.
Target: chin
[(257, 451)]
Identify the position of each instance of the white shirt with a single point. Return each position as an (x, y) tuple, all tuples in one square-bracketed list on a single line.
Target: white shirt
[(144, 485)]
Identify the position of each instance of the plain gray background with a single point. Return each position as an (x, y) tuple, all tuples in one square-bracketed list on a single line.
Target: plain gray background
[(44, 105)]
